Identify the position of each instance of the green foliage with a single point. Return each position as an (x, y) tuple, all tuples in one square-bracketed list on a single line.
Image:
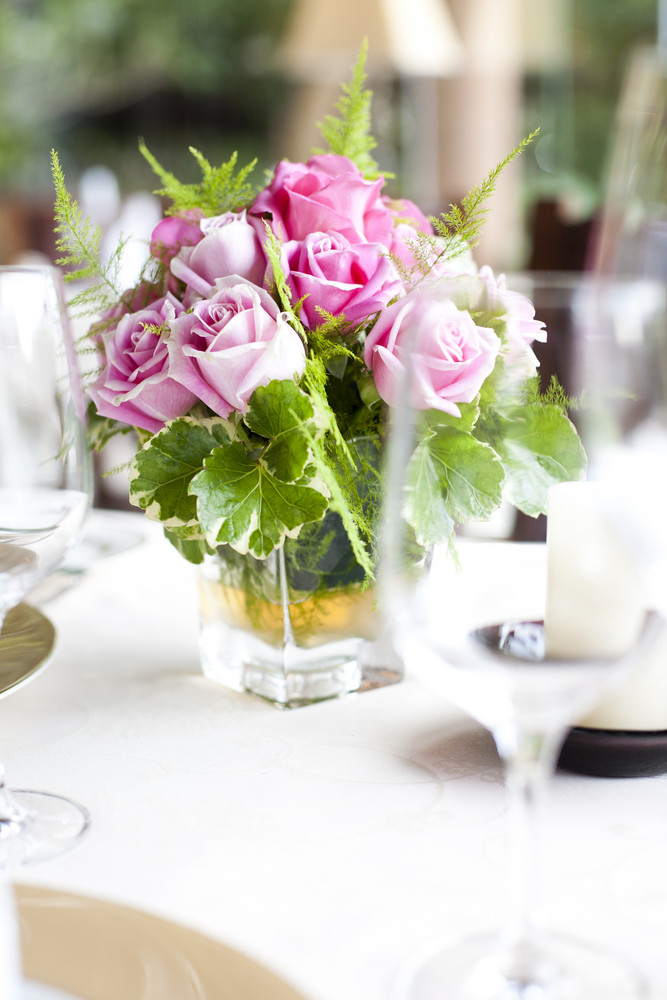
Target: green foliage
[(212, 483), (241, 504), (192, 549), (100, 430), (454, 478), (553, 395), (329, 448), (464, 222), (283, 414), (272, 248), (164, 468), (540, 447), (78, 244), (459, 229), (222, 189), (349, 132)]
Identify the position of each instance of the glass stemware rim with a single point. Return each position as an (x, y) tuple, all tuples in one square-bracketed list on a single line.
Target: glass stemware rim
[(30, 269)]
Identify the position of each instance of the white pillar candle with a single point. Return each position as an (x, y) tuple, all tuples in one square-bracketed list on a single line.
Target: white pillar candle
[(640, 702), (595, 604)]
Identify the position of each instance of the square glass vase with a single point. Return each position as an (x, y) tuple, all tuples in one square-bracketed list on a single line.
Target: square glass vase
[(295, 628)]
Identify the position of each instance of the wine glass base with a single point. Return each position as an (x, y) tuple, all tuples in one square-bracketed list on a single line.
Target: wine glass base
[(52, 824), (475, 970)]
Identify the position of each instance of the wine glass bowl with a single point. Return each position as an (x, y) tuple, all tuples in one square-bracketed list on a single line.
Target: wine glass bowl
[(45, 488), (528, 638)]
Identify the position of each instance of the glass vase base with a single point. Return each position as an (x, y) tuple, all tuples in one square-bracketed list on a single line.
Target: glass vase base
[(291, 676), (477, 969)]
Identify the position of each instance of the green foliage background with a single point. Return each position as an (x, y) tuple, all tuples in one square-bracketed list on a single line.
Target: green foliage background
[(575, 104), (88, 77)]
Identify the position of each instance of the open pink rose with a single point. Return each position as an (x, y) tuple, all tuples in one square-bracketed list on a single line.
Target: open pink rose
[(345, 279), (449, 357), (229, 245), (231, 343), (326, 194), (135, 386)]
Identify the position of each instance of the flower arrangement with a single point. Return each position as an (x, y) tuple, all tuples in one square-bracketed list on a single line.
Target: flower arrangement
[(267, 338)]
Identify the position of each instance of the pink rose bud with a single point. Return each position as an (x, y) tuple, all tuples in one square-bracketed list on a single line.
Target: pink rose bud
[(174, 232)]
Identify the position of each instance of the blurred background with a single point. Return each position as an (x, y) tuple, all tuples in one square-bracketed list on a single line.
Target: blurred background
[(457, 83)]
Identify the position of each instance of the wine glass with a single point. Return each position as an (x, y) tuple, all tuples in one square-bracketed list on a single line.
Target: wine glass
[(523, 644), (631, 237), (45, 485)]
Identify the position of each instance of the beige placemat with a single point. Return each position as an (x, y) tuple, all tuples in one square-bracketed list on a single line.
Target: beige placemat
[(102, 951), (26, 643)]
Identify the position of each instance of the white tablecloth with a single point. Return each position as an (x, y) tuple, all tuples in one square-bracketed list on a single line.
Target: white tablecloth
[(329, 841)]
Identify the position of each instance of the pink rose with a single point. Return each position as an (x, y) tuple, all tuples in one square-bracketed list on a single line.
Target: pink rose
[(326, 194), (405, 212), (409, 221), (231, 343), (521, 327), (449, 356), (133, 300), (520, 311), (350, 280), (135, 386), (229, 245), (174, 232)]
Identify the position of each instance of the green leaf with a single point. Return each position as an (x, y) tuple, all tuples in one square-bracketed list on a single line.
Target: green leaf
[(469, 414), (282, 412), (427, 510), (240, 503), (454, 478), (163, 469), (193, 549), (540, 447)]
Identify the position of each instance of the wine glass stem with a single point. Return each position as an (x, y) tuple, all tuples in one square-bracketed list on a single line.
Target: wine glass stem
[(529, 760), (13, 817)]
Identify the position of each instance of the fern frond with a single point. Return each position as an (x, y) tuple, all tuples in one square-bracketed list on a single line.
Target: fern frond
[(326, 343), (461, 226), (349, 133), (78, 243), (282, 289), (222, 189), (553, 395)]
